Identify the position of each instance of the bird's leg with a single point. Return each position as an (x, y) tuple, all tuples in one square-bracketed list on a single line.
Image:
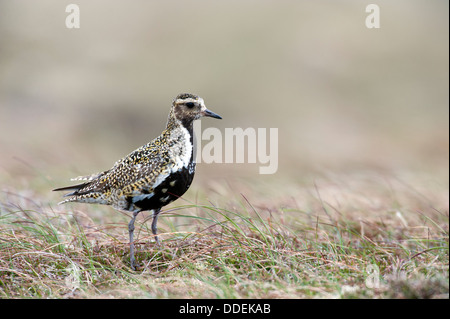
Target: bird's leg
[(131, 233), (154, 222)]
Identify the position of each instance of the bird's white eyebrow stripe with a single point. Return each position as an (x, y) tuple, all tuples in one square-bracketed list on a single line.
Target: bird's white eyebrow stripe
[(186, 100)]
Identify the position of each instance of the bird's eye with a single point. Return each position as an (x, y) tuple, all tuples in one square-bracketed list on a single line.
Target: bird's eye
[(190, 105)]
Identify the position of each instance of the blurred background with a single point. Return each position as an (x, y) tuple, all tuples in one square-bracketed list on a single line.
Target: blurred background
[(344, 98)]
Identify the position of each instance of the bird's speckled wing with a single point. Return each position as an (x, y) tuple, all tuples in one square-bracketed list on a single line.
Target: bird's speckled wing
[(129, 176)]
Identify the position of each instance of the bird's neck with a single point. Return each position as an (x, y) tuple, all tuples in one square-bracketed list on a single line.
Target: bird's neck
[(173, 123)]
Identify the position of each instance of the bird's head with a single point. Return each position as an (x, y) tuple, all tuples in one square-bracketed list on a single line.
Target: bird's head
[(189, 107)]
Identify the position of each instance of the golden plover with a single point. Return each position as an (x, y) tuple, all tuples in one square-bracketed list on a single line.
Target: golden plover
[(151, 176)]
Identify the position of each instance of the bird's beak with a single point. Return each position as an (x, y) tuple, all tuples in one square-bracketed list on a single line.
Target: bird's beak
[(209, 113)]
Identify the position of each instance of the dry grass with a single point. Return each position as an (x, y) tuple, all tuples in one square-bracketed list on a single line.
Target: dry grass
[(241, 249)]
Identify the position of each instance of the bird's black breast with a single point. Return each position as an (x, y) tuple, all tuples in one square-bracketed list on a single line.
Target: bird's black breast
[(173, 187)]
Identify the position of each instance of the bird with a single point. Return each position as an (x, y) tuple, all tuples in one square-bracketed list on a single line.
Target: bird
[(153, 175)]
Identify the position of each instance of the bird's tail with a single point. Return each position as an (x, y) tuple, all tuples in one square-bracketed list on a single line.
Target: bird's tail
[(86, 192), (76, 191)]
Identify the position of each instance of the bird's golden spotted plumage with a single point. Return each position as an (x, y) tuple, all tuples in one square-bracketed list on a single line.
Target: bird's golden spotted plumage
[(151, 176)]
